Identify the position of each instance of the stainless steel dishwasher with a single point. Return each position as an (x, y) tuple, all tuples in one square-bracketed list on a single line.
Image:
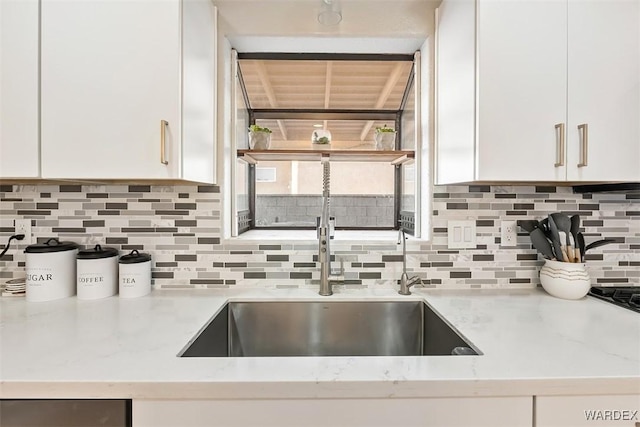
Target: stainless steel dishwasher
[(65, 413)]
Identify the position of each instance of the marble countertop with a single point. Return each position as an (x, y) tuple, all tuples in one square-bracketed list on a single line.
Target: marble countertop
[(533, 344)]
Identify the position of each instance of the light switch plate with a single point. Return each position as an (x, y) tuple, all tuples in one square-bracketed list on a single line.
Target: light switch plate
[(461, 234)]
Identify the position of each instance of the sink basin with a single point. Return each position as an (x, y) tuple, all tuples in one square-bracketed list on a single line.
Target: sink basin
[(336, 328)]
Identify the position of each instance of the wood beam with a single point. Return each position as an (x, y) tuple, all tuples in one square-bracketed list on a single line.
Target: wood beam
[(263, 75), (392, 80), (327, 87)]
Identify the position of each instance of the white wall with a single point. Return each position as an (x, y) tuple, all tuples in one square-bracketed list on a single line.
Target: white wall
[(360, 18)]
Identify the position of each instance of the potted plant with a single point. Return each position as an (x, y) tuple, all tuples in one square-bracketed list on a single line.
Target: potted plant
[(259, 137), (321, 139), (385, 138)]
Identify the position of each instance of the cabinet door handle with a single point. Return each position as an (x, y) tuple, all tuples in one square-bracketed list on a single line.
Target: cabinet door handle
[(559, 145), (583, 131), (163, 142)]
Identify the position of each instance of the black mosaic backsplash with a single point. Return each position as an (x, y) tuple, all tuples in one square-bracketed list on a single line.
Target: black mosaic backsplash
[(181, 227)]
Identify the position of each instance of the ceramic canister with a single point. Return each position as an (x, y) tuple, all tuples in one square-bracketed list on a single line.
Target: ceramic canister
[(135, 274), (97, 275), (51, 270)]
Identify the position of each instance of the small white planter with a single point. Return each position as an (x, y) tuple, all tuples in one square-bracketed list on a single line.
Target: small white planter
[(321, 139), (385, 140), (259, 140)]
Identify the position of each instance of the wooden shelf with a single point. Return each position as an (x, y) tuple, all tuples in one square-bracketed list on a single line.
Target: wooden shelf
[(393, 157)]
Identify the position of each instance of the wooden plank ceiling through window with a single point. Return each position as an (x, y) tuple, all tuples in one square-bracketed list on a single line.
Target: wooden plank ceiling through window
[(307, 84)]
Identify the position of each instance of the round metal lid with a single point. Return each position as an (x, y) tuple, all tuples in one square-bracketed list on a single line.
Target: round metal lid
[(51, 245), (97, 252), (134, 257)]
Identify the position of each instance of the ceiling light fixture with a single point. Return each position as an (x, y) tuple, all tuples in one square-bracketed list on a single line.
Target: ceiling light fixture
[(330, 12), (318, 125)]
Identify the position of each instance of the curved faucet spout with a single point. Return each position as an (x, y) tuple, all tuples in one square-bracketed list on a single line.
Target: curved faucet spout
[(405, 281)]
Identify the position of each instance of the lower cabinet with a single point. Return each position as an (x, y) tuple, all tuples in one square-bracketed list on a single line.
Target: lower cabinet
[(432, 412), (588, 411), (65, 412)]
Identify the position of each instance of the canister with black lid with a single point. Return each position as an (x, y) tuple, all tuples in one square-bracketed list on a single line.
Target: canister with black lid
[(135, 274), (97, 275), (51, 270)]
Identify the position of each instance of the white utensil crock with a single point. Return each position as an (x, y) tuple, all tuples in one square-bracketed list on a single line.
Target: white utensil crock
[(565, 279)]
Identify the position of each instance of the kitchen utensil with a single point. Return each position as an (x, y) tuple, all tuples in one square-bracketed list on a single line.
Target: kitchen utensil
[(134, 274), (565, 248), (563, 222), (599, 243), (51, 270), (542, 245), (575, 228), (544, 226), (97, 275), (555, 239), (581, 248), (528, 225)]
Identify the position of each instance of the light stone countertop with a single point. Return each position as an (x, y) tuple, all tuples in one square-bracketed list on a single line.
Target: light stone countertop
[(533, 344)]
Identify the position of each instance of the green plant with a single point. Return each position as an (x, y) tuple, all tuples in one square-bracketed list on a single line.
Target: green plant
[(321, 140), (385, 129), (256, 128)]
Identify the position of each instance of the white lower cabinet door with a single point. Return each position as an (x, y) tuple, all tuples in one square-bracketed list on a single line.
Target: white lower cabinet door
[(587, 411), (433, 412)]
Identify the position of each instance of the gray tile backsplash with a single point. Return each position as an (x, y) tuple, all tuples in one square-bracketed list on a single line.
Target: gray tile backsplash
[(181, 227)]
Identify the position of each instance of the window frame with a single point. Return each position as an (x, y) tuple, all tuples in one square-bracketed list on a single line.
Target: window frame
[(402, 219)]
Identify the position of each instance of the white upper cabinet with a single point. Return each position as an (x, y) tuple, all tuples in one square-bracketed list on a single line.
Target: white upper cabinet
[(19, 139), (515, 79), (128, 89), (604, 91)]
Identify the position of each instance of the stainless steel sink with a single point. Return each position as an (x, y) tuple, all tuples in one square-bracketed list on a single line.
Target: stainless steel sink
[(336, 328)]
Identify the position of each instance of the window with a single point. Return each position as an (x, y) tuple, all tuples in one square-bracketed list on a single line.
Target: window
[(348, 95)]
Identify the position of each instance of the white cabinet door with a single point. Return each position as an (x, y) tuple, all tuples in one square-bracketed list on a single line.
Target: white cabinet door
[(542, 69), (604, 90), (501, 90), (435, 412), (110, 75), (587, 411), (199, 79), (521, 89), (455, 92), (19, 138)]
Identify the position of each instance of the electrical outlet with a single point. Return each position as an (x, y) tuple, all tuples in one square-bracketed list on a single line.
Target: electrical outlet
[(509, 233), (23, 226)]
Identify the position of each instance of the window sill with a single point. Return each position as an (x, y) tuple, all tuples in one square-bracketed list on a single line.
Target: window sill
[(384, 236)]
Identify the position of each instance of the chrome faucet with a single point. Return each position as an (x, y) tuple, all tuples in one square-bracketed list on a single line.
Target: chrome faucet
[(327, 277), (405, 281)]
